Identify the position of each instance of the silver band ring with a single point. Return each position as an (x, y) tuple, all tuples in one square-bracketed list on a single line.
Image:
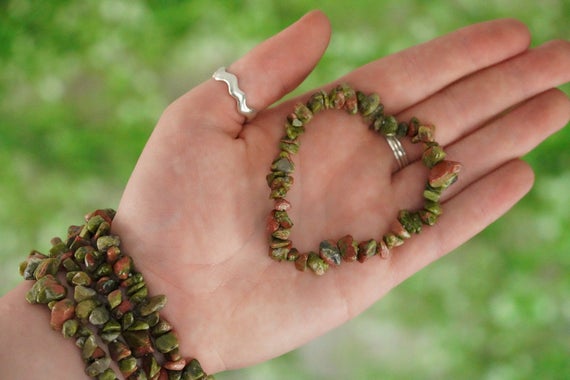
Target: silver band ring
[(399, 151), (233, 88)]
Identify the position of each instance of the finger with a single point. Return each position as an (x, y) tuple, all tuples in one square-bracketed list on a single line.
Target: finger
[(267, 73), (509, 136), (410, 76), (416, 73), (467, 214), (462, 107)]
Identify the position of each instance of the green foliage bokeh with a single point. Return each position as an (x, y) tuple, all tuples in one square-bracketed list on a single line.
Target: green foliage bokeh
[(83, 82)]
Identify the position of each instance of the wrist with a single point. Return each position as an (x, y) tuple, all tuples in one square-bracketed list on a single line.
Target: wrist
[(188, 288), (29, 348), (99, 299)]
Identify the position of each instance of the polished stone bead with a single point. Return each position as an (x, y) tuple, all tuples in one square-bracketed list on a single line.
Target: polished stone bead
[(98, 367), (111, 326), (115, 298), (433, 207), (389, 126), (283, 219), (329, 252), (106, 213), (124, 307), (127, 366), (366, 249), (154, 304), (99, 316), (135, 288), (45, 290), (29, 266), (162, 327), (282, 204), (350, 99), (103, 230), (303, 113), (69, 328), (166, 343), (82, 293), (70, 265), (428, 218), (432, 193), (94, 222), (280, 248), (84, 308), (152, 319), (123, 267), (113, 254), (402, 130), (279, 254), (134, 279), (61, 312), (444, 174), (348, 248), (119, 350), (151, 366), (289, 146), (425, 133), (138, 326), (92, 261), (139, 342), (81, 252), (392, 240), (177, 365), (301, 262), (318, 102), (89, 346), (283, 164), (293, 254), (127, 320), (433, 155), (398, 229), (316, 264), (81, 278), (367, 104), (47, 266), (106, 285), (410, 221), (139, 296), (103, 270), (281, 234), (108, 374), (193, 371)]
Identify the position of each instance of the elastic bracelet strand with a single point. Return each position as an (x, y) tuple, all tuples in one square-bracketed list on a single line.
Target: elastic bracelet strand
[(104, 301)]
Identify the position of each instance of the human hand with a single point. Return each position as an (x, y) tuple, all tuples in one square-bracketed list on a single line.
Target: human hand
[(194, 211)]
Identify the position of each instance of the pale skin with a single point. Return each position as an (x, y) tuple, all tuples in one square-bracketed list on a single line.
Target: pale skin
[(193, 213)]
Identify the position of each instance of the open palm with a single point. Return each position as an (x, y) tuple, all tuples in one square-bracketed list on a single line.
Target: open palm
[(193, 215)]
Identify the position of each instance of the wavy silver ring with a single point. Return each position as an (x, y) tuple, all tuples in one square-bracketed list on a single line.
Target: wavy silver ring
[(398, 150), (233, 88)]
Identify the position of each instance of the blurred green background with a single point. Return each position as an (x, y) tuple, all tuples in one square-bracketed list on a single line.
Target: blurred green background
[(83, 82)]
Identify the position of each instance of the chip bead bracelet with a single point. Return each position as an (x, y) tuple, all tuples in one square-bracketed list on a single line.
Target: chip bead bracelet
[(331, 252), (104, 301)]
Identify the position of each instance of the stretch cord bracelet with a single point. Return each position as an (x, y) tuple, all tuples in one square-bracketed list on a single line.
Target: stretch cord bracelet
[(442, 174), (104, 301)]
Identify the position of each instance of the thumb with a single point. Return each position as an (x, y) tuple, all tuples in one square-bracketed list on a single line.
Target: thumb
[(265, 74)]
